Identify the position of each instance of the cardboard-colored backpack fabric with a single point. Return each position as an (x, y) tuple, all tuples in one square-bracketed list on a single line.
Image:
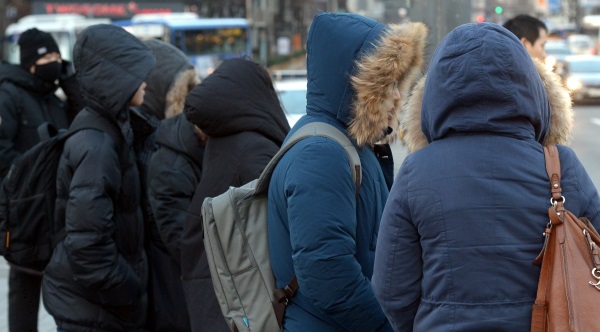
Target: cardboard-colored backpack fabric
[(237, 247), (568, 295)]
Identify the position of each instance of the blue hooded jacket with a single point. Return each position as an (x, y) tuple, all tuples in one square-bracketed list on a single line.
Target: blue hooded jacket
[(318, 230), (465, 215)]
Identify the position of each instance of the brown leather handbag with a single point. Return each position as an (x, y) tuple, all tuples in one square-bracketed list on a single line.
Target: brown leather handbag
[(568, 294)]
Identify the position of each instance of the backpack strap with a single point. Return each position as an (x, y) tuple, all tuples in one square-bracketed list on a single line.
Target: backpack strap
[(309, 130)]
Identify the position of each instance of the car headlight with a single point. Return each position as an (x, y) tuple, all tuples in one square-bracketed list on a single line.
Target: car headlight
[(573, 84), (550, 62)]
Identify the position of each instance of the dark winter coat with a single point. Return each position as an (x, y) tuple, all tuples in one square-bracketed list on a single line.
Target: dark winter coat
[(238, 109), (169, 83), (465, 217), (96, 279), (173, 174), (26, 102), (319, 230)]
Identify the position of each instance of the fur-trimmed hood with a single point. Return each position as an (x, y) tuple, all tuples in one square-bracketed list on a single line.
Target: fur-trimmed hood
[(169, 82), (475, 101), (397, 59)]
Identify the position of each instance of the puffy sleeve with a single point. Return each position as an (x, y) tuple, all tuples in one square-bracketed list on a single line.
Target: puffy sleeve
[(322, 219), (170, 192), (398, 265)]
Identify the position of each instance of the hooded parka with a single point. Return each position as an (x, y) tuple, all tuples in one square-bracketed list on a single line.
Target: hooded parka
[(465, 216), (173, 174), (169, 160), (237, 107), (318, 229), (26, 101), (96, 279)]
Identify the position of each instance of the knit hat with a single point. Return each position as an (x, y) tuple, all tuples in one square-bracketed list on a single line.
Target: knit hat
[(34, 44)]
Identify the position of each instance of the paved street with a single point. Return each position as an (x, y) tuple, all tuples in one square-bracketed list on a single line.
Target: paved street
[(45, 323)]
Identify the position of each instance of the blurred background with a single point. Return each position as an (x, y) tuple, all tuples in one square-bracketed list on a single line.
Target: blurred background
[(276, 30)]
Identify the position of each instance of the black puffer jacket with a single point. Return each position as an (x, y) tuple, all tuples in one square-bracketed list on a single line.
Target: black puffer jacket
[(26, 102), (173, 174), (96, 279), (238, 109)]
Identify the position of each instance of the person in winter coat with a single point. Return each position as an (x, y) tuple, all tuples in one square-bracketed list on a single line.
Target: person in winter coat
[(169, 155), (319, 229), (28, 100), (532, 32), (238, 109), (173, 174), (96, 279), (465, 216), (168, 84)]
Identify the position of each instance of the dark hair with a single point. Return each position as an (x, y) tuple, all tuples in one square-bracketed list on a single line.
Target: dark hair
[(525, 26)]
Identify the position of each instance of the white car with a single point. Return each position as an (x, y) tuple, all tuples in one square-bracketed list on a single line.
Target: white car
[(580, 44), (292, 95), (581, 75)]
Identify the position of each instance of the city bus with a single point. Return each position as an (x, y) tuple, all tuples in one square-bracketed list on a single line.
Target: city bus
[(63, 27), (206, 41)]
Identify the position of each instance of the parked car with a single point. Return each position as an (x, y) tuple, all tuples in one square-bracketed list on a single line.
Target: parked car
[(556, 51), (292, 95), (580, 44), (581, 76)]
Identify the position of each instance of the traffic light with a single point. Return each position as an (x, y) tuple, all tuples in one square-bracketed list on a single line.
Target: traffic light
[(480, 19), (499, 10)]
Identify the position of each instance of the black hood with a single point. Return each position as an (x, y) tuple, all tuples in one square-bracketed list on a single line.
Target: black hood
[(177, 134), (111, 65), (237, 97), (24, 79)]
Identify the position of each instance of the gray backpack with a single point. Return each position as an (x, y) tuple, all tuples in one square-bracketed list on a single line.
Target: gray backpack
[(237, 246)]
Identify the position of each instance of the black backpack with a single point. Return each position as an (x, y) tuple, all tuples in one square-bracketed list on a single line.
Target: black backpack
[(28, 232)]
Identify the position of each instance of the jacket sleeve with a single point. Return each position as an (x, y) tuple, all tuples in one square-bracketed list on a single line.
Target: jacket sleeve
[(321, 212), (398, 266), (170, 192), (90, 226), (9, 126), (590, 201)]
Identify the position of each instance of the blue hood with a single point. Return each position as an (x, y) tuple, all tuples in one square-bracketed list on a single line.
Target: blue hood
[(329, 92), (481, 79)]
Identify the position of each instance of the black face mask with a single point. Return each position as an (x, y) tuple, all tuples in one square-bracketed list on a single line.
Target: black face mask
[(48, 72)]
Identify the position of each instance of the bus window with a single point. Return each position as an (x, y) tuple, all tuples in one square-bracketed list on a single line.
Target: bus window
[(216, 41), (206, 41)]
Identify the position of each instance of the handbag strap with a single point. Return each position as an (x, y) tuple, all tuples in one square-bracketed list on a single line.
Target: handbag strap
[(538, 315), (553, 170)]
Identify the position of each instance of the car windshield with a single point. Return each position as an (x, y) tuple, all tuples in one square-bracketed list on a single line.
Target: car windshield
[(585, 66), (293, 101)]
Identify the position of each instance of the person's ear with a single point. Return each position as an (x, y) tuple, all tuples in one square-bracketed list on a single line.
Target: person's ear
[(525, 42)]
